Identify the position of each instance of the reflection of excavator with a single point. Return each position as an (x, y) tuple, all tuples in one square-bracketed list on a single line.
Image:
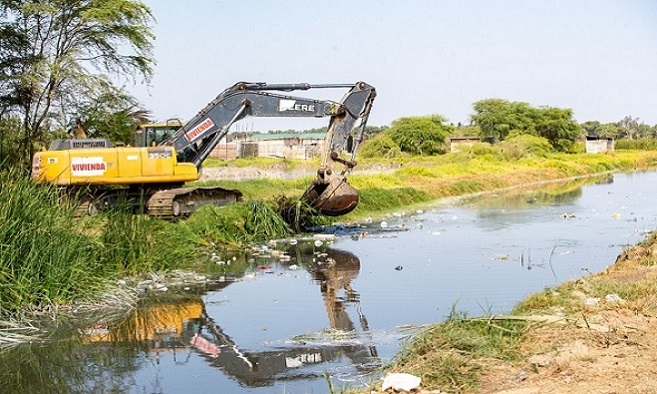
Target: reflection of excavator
[(187, 325), (155, 170)]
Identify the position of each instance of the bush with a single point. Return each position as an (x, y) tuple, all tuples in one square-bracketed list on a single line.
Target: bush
[(380, 146), (420, 135), (524, 145)]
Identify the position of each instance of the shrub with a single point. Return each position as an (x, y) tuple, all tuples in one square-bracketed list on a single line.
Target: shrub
[(380, 146), (524, 145)]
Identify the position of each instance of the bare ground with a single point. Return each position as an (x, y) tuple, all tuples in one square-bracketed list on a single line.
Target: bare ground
[(612, 349)]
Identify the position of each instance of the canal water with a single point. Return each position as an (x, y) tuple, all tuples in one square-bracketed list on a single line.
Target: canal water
[(331, 309)]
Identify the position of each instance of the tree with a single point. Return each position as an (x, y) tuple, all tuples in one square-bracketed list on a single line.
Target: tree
[(591, 128), (629, 127), (558, 127), (420, 135), (610, 130), (500, 119), (114, 115), (61, 53)]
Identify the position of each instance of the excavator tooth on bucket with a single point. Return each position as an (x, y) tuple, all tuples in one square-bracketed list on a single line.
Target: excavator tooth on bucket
[(331, 198)]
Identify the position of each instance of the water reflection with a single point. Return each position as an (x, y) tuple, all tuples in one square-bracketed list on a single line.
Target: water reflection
[(521, 206), (297, 359), (552, 195), (105, 356)]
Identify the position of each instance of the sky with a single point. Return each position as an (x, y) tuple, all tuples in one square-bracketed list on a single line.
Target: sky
[(596, 57)]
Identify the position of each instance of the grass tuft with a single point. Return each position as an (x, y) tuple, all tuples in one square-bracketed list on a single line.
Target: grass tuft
[(451, 355)]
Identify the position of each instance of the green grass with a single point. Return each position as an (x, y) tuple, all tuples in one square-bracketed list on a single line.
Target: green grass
[(451, 355), (48, 257), (43, 257)]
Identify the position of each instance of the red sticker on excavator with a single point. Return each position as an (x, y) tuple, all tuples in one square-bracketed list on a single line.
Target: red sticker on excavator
[(199, 129)]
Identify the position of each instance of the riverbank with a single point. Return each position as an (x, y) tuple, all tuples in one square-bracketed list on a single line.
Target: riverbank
[(592, 335), (596, 333)]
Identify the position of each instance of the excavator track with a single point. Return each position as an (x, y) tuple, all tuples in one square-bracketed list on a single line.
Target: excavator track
[(181, 202)]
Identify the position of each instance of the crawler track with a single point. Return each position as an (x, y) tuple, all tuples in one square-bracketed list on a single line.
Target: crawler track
[(180, 202)]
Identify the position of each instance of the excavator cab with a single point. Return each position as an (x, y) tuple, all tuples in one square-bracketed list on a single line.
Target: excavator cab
[(153, 134)]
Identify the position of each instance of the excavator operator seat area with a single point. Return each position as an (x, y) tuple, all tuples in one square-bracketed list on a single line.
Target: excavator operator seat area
[(155, 133)]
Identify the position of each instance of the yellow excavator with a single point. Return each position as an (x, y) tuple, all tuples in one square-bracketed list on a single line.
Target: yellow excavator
[(167, 156)]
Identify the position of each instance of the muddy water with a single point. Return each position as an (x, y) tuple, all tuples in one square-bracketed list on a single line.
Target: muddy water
[(334, 308)]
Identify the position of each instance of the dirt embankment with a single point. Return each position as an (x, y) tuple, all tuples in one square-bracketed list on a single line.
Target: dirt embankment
[(234, 173), (609, 347)]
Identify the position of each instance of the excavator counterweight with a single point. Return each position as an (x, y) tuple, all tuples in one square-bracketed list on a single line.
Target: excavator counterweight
[(166, 157)]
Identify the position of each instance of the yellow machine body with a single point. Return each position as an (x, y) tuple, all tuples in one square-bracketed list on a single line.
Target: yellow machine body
[(111, 166)]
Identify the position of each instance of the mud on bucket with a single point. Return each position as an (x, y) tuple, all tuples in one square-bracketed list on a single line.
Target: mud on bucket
[(332, 199)]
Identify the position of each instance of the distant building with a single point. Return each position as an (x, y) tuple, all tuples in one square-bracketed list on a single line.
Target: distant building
[(289, 145), (599, 144), (225, 150), (457, 144)]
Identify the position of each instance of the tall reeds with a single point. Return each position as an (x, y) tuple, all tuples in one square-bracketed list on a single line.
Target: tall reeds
[(43, 258)]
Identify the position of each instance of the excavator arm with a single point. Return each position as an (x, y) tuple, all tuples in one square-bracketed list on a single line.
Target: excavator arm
[(329, 193)]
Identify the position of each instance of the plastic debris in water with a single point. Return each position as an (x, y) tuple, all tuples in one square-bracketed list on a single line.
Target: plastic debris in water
[(401, 381)]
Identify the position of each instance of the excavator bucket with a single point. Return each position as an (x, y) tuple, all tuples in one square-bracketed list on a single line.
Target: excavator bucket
[(334, 198)]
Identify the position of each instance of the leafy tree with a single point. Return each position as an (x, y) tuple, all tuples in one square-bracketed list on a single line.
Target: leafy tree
[(114, 116), (591, 128), (610, 130), (558, 127), (420, 135), (644, 130), (500, 119), (60, 55)]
